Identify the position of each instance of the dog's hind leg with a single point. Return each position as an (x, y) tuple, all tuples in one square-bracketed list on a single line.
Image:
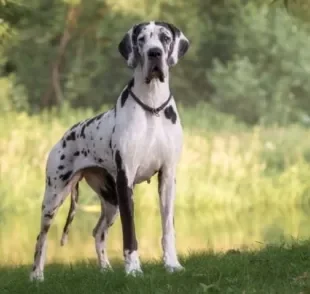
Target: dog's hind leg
[(53, 199), (104, 186), (71, 213), (108, 214)]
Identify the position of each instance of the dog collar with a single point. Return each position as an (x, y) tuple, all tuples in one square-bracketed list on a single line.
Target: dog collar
[(154, 111)]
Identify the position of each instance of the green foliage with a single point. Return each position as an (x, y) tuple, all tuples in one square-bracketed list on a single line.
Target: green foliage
[(266, 79), (246, 58)]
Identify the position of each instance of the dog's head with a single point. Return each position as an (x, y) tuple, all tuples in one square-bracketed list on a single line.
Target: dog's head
[(155, 46)]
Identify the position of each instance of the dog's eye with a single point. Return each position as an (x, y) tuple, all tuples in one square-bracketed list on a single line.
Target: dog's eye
[(141, 39), (166, 38)]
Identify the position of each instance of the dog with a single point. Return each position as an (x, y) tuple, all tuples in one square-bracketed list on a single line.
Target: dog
[(125, 146)]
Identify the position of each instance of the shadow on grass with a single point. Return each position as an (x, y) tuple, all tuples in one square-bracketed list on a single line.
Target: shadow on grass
[(274, 269)]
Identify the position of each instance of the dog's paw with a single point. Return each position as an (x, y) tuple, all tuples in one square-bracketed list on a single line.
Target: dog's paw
[(173, 268), (134, 272), (36, 276), (132, 264), (106, 268)]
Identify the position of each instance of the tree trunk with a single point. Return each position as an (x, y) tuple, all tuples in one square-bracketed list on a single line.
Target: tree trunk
[(53, 94)]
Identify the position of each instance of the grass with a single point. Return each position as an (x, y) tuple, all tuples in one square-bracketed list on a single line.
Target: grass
[(223, 162), (275, 269)]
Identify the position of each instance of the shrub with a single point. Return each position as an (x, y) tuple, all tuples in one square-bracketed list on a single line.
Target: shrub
[(266, 81)]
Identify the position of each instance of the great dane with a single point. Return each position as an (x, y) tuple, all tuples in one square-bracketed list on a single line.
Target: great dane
[(127, 145)]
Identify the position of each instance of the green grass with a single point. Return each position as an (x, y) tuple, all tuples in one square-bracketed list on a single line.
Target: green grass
[(275, 269)]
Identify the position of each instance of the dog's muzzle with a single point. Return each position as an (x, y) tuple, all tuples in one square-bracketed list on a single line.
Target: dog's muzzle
[(155, 67)]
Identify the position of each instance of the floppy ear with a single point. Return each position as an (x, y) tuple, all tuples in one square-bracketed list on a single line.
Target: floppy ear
[(179, 46), (127, 49)]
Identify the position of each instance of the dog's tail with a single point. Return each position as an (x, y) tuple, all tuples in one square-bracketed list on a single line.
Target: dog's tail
[(71, 213)]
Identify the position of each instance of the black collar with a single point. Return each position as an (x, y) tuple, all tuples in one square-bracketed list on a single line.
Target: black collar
[(154, 111)]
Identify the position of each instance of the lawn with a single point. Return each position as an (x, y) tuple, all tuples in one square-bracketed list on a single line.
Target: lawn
[(274, 269)]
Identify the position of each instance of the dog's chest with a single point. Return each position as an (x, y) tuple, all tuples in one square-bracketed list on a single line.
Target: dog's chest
[(145, 141), (160, 144)]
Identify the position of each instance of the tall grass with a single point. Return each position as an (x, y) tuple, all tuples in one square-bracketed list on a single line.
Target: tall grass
[(226, 170), (219, 165)]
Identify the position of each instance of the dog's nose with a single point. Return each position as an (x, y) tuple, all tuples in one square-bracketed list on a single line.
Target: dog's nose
[(154, 53)]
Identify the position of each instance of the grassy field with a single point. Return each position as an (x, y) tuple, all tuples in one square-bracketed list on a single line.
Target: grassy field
[(238, 188), (272, 270)]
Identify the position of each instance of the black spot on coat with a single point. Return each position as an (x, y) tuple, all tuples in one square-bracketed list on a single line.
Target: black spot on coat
[(82, 134), (124, 46), (183, 47), (170, 114), (71, 136), (62, 157), (65, 176), (137, 30), (90, 121), (126, 206), (173, 29), (131, 83), (124, 96), (159, 176), (46, 228), (125, 93)]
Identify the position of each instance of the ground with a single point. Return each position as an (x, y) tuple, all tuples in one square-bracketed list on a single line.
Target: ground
[(275, 269)]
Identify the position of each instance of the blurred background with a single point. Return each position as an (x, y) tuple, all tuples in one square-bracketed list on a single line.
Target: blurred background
[(242, 92)]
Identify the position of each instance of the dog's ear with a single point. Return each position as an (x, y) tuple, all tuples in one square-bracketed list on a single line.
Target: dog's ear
[(127, 49), (179, 46)]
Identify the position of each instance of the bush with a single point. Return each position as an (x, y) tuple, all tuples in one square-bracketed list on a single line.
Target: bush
[(266, 81)]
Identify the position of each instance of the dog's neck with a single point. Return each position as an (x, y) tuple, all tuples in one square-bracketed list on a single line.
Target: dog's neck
[(153, 94)]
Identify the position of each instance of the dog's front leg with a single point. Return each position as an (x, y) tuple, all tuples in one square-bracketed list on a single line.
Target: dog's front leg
[(124, 187), (167, 188)]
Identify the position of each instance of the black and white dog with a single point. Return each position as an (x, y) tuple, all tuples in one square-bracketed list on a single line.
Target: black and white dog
[(125, 146)]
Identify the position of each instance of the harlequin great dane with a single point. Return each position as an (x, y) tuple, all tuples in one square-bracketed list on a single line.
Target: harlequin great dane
[(125, 146)]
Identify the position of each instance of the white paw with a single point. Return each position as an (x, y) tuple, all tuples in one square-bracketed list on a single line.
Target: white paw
[(176, 267), (134, 272), (132, 264), (106, 267), (37, 276)]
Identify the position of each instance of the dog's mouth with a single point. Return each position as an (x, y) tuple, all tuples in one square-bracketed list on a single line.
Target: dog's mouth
[(155, 72)]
